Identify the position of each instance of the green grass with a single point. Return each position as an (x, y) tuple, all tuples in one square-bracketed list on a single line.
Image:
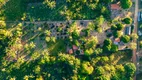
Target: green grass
[(57, 47), (13, 10), (41, 12)]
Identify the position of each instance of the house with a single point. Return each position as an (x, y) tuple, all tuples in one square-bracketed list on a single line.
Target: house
[(75, 47), (115, 7), (128, 30), (70, 51), (116, 41), (115, 10)]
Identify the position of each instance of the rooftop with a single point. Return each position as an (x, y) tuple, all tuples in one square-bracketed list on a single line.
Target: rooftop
[(115, 7)]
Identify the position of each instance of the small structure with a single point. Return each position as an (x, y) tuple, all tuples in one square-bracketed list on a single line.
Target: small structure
[(70, 51), (116, 41), (128, 30), (115, 7), (81, 52), (115, 10), (75, 47)]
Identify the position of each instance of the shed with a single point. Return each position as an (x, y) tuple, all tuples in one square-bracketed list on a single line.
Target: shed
[(128, 30)]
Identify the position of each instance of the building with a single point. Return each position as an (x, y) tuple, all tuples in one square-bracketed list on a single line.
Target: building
[(115, 10), (115, 7), (128, 30)]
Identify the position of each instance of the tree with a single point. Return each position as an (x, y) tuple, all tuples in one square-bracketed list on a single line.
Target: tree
[(47, 32), (127, 20), (98, 51), (104, 59), (86, 31), (107, 42), (133, 45), (125, 38), (91, 42), (86, 68), (49, 3), (134, 36), (130, 69), (88, 52), (114, 48), (37, 69), (120, 26), (106, 48), (125, 4), (100, 70), (2, 24), (117, 34), (140, 44), (99, 29), (100, 20), (113, 27)]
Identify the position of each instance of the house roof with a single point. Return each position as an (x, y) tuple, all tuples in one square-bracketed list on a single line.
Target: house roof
[(115, 7), (117, 40), (70, 51), (74, 47), (128, 30)]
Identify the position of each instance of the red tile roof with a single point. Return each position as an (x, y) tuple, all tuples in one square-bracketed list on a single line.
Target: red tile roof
[(115, 6), (74, 47), (70, 51), (117, 40)]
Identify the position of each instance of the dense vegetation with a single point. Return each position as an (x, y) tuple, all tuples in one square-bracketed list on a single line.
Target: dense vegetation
[(30, 51)]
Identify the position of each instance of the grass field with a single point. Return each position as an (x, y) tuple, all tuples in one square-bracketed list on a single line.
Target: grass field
[(13, 10), (41, 12)]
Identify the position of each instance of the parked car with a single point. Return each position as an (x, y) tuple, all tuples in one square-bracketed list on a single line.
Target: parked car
[(139, 15), (139, 33), (127, 30), (132, 28)]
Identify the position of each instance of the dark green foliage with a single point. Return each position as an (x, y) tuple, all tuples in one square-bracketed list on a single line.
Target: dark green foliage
[(130, 69), (117, 34), (13, 10), (106, 48), (125, 38), (113, 27), (114, 48), (126, 4), (120, 26), (127, 20), (107, 42)]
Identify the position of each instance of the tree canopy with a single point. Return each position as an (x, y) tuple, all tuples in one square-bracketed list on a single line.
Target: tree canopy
[(126, 4)]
